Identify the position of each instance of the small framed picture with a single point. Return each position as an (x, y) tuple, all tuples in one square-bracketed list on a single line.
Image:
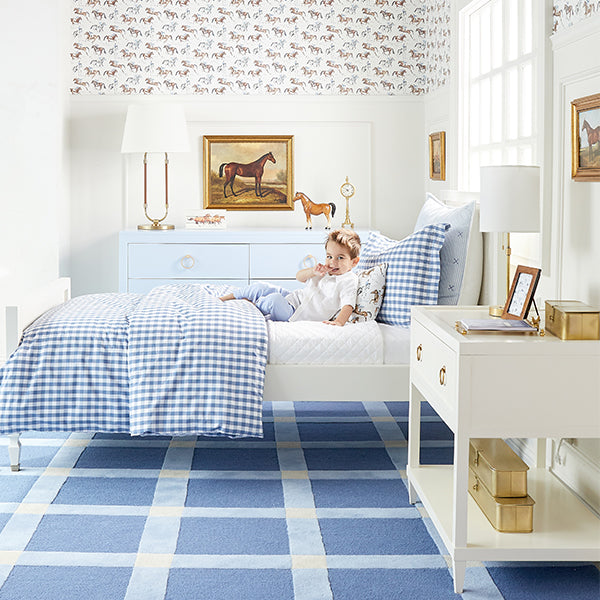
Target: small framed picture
[(585, 138), (437, 155), (206, 219), (521, 293)]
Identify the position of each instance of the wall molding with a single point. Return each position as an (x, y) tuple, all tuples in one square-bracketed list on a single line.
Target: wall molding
[(576, 32)]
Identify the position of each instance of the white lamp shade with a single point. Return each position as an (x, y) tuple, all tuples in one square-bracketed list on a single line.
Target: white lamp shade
[(155, 128), (509, 199)]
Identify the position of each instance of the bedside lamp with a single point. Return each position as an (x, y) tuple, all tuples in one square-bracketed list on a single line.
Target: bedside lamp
[(509, 201), (155, 128)]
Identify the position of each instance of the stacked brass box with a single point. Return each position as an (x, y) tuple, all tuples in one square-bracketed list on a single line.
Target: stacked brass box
[(498, 483)]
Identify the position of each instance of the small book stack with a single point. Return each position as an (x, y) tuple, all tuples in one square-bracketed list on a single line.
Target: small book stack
[(466, 326)]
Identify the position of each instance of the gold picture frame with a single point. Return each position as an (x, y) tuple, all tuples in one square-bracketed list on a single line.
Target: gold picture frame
[(585, 138), (437, 156), (248, 172), (521, 293)]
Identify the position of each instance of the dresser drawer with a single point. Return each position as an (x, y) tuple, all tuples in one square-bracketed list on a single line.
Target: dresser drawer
[(188, 261), (433, 365), (283, 261)]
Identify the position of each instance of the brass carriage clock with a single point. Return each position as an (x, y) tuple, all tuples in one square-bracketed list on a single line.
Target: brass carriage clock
[(347, 190)]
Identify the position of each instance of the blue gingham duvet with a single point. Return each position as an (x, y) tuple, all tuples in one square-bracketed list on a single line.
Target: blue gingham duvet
[(174, 361)]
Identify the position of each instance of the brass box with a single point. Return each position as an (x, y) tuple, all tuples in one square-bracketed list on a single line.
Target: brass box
[(572, 320), (508, 515), (498, 467)]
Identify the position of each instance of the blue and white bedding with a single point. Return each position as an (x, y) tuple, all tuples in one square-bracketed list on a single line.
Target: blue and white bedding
[(175, 361)]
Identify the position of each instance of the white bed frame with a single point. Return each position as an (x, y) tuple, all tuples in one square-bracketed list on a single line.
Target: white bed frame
[(283, 383)]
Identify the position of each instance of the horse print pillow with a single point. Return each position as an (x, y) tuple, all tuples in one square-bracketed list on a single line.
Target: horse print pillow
[(371, 287)]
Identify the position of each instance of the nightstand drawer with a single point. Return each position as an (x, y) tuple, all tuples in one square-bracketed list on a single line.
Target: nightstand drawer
[(188, 261), (281, 261), (433, 364)]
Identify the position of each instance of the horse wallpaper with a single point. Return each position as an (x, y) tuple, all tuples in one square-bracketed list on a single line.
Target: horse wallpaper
[(385, 47)]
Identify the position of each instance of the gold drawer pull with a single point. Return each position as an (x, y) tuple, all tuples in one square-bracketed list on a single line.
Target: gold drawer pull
[(419, 352), (443, 376), (476, 485), (188, 262), (309, 261)]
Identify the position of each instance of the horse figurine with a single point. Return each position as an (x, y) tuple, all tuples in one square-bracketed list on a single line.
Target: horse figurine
[(593, 137), (254, 169), (310, 208)]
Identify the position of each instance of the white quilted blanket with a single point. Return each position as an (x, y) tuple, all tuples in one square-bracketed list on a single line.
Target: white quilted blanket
[(311, 342)]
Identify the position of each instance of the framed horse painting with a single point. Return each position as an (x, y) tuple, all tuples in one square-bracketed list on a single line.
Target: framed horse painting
[(585, 138), (248, 172)]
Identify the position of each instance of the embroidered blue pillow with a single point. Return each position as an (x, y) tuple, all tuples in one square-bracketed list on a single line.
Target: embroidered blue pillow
[(413, 273), (453, 257)]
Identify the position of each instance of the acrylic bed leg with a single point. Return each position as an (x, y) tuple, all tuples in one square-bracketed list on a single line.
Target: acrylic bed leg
[(14, 451)]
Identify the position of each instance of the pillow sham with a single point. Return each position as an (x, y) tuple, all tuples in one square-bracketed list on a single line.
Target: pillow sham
[(461, 254), (371, 288), (413, 271)]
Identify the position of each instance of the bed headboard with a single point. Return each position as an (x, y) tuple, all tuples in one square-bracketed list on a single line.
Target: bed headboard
[(38, 301)]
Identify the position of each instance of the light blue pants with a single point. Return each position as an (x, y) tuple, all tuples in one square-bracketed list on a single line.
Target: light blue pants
[(269, 299)]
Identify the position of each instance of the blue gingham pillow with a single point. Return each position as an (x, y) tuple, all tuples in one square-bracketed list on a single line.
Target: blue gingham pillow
[(413, 273)]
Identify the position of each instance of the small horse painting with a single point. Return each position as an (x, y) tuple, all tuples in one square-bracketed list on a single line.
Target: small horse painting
[(593, 137), (310, 208), (254, 169)]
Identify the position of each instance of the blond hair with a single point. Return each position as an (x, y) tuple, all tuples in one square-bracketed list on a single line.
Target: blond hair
[(344, 237)]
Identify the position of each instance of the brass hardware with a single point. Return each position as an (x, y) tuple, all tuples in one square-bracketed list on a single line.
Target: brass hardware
[(185, 261), (443, 375), (419, 352), (476, 459), (476, 485)]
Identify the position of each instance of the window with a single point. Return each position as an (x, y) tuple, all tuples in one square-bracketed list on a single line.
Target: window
[(500, 53)]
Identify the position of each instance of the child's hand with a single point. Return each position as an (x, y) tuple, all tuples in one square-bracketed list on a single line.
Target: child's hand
[(321, 270), (333, 323)]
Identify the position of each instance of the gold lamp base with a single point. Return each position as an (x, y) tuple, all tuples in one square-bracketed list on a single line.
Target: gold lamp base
[(496, 311), (155, 227)]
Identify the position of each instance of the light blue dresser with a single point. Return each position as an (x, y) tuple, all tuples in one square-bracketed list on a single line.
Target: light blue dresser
[(232, 256)]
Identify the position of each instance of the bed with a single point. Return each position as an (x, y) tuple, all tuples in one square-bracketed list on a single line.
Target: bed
[(439, 262)]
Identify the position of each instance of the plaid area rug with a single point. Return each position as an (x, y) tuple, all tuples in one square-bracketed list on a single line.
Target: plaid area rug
[(318, 510)]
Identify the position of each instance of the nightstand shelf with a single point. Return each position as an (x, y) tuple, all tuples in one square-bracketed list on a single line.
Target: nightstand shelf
[(503, 386)]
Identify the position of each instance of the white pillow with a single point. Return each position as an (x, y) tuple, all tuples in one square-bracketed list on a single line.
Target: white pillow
[(461, 257), (371, 287)]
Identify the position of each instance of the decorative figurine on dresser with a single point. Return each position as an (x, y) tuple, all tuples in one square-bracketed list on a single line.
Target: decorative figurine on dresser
[(311, 208)]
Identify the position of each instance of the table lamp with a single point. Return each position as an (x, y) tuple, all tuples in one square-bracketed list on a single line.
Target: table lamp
[(155, 128), (509, 202)]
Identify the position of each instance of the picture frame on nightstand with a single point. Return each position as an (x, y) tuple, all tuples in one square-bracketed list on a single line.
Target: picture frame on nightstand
[(521, 293)]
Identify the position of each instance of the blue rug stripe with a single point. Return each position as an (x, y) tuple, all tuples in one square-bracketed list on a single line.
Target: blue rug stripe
[(233, 513), (305, 537), (147, 584), (378, 561), (291, 459), (78, 559), (298, 493), (160, 535), (18, 531), (231, 561), (368, 513), (45, 489), (311, 584), (170, 491)]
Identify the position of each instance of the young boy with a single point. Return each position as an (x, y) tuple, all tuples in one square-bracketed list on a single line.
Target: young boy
[(330, 288)]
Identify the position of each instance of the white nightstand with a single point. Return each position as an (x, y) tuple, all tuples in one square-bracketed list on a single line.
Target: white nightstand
[(233, 256), (502, 386)]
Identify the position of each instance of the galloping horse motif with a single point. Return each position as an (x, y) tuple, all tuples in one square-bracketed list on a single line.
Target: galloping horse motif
[(254, 169), (593, 136), (310, 208)]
